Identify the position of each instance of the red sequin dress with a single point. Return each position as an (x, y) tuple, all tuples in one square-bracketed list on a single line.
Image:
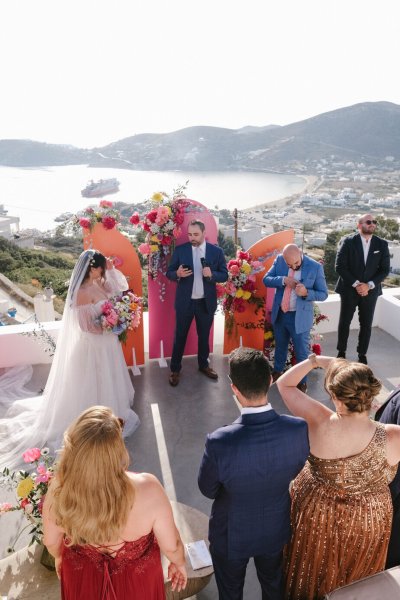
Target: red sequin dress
[(132, 572)]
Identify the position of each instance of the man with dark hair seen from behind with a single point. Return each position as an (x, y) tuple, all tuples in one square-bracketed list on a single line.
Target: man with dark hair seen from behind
[(246, 469), (362, 263), (196, 267)]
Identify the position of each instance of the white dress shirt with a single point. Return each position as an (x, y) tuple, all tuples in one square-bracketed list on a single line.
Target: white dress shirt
[(250, 410), (198, 252)]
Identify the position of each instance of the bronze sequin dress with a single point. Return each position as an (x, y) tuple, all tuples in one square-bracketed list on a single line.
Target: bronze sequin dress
[(341, 520)]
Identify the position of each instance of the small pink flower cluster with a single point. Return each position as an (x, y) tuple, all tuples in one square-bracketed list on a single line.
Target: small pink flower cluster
[(121, 314), (105, 214)]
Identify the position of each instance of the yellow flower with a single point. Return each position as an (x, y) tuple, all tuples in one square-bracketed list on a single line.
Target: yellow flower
[(25, 487), (154, 247), (157, 197), (246, 295), (239, 293), (154, 238), (246, 268), (268, 335), (169, 210)]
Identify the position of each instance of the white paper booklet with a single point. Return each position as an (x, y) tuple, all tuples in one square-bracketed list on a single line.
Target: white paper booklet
[(199, 555)]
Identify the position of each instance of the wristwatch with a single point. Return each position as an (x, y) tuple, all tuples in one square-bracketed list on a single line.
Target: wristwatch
[(313, 360)]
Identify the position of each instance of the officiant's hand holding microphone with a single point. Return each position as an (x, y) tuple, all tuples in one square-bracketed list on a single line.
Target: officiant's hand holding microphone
[(206, 269)]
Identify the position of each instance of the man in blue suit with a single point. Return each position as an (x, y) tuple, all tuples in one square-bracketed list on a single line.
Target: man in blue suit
[(246, 469), (196, 266), (299, 281)]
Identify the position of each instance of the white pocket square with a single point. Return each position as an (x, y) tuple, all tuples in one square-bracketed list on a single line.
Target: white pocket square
[(376, 251)]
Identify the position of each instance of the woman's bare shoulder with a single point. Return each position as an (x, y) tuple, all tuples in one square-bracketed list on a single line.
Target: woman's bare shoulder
[(144, 480), (83, 297)]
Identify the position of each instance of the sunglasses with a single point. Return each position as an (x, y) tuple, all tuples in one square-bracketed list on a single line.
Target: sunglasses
[(370, 222)]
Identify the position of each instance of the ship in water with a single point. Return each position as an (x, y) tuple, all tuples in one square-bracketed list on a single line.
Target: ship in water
[(96, 189)]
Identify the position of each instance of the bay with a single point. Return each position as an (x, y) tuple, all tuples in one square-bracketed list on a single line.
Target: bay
[(38, 195)]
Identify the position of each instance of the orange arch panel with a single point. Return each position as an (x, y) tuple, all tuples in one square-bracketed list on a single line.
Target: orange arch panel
[(111, 242), (245, 327)]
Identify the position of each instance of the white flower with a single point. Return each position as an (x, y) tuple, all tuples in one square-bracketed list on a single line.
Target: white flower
[(154, 228), (45, 451), (28, 509)]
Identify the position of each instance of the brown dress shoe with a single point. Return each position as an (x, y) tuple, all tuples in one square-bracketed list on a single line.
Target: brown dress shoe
[(302, 387), (174, 378), (276, 375), (209, 372)]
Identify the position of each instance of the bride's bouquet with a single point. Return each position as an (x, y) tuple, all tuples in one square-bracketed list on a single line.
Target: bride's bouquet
[(121, 314)]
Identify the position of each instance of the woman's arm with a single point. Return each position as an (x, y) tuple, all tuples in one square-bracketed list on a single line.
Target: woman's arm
[(53, 535), (300, 404), (168, 536)]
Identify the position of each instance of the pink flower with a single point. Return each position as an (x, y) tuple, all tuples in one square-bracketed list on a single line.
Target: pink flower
[(5, 507), (108, 222), (44, 474), (105, 204), (31, 455), (106, 307), (232, 263), (135, 219), (89, 210), (251, 278), (40, 504), (230, 288), (234, 269), (152, 216), (118, 261), (179, 217), (176, 232), (220, 289), (112, 318), (85, 223), (144, 249), (162, 216)]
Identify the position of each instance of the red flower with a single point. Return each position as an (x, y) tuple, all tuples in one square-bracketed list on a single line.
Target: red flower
[(166, 240), (89, 210), (152, 216), (220, 290), (243, 255), (249, 286), (108, 222), (85, 223), (135, 219), (24, 502), (232, 263), (178, 217), (146, 227), (105, 204), (316, 348)]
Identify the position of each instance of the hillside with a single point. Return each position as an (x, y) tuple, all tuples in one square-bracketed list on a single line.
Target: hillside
[(366, 132)]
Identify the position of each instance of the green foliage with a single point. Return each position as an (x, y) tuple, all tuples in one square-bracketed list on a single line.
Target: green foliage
[(387, 228), (21, 265), (227, 244), (330, 249)]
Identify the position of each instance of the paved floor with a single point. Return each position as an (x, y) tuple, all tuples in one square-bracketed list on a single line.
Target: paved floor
[(170, 440)]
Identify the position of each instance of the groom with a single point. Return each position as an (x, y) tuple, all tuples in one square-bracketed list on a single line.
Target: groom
[(196, 267)]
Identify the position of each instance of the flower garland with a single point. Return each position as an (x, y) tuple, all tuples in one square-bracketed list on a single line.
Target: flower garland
[(162, 226), (315, 339), (30, 489), (240, 287), (105, 214)]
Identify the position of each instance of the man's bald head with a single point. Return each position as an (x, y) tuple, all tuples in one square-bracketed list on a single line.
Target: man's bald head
[(293, 257)]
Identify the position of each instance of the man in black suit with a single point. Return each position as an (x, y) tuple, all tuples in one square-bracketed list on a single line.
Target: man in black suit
[(362, 263), (389, 413)]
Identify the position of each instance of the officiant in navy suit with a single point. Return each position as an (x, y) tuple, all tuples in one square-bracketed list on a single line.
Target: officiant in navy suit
[(196, 267), (246, 469)]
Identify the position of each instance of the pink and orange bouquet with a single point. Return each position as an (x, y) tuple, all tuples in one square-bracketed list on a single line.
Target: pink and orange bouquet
[(30, 490), (121, 314), (105, 214), (162, 224), (240, 287)]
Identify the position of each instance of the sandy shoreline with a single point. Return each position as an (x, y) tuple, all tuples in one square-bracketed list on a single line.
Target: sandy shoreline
[(310, 182)]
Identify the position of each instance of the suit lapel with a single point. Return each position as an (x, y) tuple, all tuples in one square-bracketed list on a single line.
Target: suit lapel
[(372, 247)]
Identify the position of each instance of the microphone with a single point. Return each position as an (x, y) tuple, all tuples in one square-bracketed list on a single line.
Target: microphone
[(204, 264)]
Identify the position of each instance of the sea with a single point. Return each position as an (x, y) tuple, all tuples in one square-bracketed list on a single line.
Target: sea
[(38, 195)]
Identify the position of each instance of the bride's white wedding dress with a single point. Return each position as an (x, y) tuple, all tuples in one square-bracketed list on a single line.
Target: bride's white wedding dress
[(88, 368)]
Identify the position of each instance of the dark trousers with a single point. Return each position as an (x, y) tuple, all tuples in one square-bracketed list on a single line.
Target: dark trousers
[(230, 575), (197, 309), (366, 308), (393, 555)]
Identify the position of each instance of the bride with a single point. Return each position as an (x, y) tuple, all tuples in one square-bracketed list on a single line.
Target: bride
[(88, 368)]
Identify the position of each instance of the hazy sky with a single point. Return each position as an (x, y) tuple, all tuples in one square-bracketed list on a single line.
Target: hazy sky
[(89, 72)]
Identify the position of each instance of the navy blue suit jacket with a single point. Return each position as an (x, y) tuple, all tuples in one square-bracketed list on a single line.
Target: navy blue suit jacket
[(312, 277), (246, 469), (215, 259)]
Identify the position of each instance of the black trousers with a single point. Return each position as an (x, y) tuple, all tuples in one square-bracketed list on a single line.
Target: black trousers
[(393, 555), (197, 309), (349, 301), (230, 576)]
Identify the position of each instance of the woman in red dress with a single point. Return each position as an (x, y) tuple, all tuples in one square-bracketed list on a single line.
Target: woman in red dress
[(105, 526)]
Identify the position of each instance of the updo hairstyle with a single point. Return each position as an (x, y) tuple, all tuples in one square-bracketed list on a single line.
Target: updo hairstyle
[(352, 383)]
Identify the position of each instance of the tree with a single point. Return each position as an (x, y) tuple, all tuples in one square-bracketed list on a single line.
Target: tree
[(330, 250), (227, 245), (387, 228)]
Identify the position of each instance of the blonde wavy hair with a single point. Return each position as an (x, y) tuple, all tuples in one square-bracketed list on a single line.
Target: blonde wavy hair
[(94, 494), (352, 383)]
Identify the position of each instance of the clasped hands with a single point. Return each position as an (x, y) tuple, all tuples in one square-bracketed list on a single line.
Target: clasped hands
[(362, 289), (299, 288)]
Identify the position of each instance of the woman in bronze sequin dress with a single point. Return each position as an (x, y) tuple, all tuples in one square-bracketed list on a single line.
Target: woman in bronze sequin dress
[(341, 506)]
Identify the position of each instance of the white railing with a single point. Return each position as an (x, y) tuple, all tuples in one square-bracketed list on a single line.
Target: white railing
[(19, 349)]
